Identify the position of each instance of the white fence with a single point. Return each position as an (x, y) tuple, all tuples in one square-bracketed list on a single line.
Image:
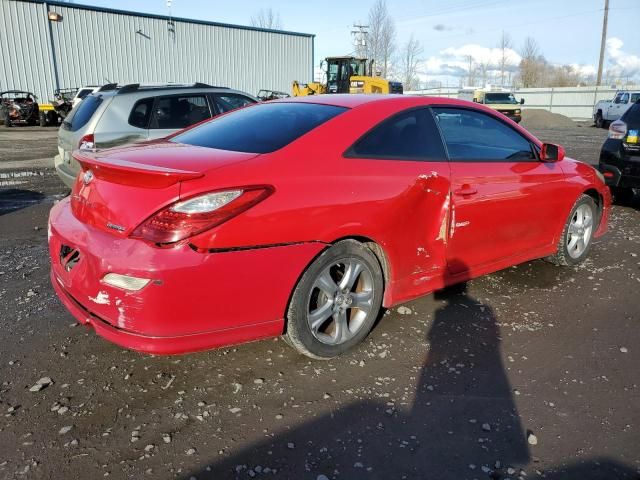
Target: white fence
[(574, 102)]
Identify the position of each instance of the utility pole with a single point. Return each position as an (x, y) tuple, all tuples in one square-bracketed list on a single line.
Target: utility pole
[(603, 42), (360, 39)]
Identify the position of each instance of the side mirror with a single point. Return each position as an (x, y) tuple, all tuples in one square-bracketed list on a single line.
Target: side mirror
[(522, 101), (551, 153)]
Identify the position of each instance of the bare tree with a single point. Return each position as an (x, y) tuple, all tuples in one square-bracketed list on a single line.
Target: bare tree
[(410, 57), (267, 18), (532, 65), (505, 45), (381, 37)]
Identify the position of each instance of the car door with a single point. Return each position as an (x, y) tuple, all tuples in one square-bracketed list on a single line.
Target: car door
[(406, 149), (502, 196), (617, 108), (175, 112)]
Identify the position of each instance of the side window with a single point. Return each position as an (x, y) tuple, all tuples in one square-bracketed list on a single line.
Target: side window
[(476, 136), (635, 97), (140, 113), (179, 111), (409, 135), (231, 101), (625, 98)]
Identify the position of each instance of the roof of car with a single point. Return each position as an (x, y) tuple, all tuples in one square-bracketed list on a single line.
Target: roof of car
[(352, 101), (16, 91)]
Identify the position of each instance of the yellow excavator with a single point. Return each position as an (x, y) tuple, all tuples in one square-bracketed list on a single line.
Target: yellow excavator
[(347, 75)]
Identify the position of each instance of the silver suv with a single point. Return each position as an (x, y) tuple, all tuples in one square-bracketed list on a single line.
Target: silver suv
[(114, 115)]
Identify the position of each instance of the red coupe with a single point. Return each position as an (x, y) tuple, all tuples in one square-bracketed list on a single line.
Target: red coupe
[(304, 217)]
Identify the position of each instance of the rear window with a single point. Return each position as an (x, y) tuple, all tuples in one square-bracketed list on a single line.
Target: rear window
[(632, 116), (81, 115), (262, 128)]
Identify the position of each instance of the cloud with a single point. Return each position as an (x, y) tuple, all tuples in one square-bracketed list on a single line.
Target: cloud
[(440, 27), (454, 61), (621, 63)]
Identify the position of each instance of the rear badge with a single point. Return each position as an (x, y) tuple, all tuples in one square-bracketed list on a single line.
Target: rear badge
[(115, 227), (87, 177)]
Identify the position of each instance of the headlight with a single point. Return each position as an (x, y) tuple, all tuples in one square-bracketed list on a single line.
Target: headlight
[(517, 112)]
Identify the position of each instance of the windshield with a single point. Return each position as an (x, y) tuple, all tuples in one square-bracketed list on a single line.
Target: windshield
[(262, 128), (493, 98)]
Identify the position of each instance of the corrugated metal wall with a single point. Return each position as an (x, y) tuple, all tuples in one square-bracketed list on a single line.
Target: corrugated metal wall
[(97, 47)]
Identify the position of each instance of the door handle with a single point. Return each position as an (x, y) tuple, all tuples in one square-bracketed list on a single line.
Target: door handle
[(466, 190)]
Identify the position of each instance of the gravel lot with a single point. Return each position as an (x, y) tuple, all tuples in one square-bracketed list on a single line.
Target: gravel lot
[(531, 372)]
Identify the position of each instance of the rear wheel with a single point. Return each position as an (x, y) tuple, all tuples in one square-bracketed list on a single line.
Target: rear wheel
[(336, 302), (575, 241), (7, 120)]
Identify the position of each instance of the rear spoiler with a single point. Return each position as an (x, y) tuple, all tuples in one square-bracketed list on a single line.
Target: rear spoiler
[(129, 173)]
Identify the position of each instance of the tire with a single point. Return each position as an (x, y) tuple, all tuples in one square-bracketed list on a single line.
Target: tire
[(599, 121), (323, 320), (42, 119), (7, 120), (622, 195), (577, 234)]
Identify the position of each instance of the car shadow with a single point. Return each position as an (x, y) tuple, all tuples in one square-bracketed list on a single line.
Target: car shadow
[(15, 199), (460, 422)]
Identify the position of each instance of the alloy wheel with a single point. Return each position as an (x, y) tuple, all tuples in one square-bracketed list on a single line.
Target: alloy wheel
[(340, 301), (580, 231)]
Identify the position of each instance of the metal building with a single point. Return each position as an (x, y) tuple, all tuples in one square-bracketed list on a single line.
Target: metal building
[(49, 45)]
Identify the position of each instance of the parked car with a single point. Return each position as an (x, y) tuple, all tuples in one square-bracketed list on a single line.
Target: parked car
[(497, 98), (116, 115), (83, 92), (606, 111), (304, 216), (265, 95), (19, 107), (620, 155)]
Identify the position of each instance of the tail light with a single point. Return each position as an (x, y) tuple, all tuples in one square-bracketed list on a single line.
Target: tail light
[(617, 130), (87, 142), (189, 217)]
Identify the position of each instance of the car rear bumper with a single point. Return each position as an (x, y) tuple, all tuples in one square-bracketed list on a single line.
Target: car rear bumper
[(194, 301)]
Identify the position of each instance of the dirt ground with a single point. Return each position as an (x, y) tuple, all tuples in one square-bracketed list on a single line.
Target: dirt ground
[(531, 372)]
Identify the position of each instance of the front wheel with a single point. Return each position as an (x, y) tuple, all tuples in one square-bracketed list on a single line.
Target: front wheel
[(599, 121), (577, 235), (336, 302), (622, 195)]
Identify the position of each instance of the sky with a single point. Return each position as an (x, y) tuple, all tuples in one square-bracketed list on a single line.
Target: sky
[(567, 31)]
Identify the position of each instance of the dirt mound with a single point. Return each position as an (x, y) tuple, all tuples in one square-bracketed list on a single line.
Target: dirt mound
[(534, 118)]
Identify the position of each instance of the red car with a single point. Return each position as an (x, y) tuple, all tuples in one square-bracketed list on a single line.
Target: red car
[(304, 217)]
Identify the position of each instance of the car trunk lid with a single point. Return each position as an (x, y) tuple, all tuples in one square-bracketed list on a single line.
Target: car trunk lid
[(120, 188)]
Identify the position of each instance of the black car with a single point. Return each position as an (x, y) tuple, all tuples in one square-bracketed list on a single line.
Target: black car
[(620, 155)]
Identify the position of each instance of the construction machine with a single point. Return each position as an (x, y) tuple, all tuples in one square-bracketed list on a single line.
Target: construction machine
[(347, 75)]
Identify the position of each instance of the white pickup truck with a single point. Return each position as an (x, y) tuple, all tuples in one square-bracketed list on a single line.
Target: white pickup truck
[(606, 111)]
